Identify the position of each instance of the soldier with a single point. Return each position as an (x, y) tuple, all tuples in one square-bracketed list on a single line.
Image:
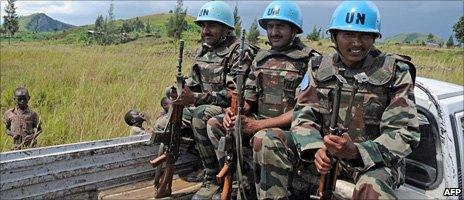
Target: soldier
[(135, 119), (383, 126), (270, 89), (206, 92), (22, 123)]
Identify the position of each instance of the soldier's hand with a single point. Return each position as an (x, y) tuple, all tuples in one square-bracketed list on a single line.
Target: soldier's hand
[(250, 126), (186, 97), (341, 146), (321, 161), (229, 119)]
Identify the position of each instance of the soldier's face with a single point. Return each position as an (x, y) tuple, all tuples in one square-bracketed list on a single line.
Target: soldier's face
[(354, 46), (211, 32), (280, 34)]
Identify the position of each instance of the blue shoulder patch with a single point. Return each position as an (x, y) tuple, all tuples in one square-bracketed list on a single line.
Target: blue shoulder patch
[(305, 82)]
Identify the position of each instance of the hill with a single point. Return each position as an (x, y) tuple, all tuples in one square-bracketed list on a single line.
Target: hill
[(40, 22), (411, 38)]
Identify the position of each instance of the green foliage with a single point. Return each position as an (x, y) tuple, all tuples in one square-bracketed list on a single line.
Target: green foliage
[(126, 27), (315, 34), (430, 38), (450, 42), (138, 24), (238, 21), (458, 29), (176, 24), (253, 33), (148, 28), (99, 23), (10, 20)]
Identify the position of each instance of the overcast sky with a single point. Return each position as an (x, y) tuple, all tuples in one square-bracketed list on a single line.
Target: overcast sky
[(435, 17)]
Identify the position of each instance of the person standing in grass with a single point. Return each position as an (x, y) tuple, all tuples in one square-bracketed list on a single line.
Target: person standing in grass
[(22, 123), (206, 92)]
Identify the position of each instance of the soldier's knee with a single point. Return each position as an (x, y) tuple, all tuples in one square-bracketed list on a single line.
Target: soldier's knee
[(260, 139), (375, 184), (199, 112)]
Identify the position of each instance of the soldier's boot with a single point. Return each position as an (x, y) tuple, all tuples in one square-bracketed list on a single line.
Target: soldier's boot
[(208, 188)]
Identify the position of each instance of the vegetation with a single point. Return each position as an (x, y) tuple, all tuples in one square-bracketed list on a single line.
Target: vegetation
[(252, 36), (238, 21), (458, 29), (10, 19), (176, 24), (315, 34)]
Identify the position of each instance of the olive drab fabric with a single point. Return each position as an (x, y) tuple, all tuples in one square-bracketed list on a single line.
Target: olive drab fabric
[(274, 77), (271, 86), (21, 122), (384, 124), (215, 68)]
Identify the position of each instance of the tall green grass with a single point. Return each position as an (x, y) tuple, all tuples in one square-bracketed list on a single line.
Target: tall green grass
[(82, 92)]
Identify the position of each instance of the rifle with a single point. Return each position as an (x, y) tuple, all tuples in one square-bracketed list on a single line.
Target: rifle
[(171, 152), (328, 181), (31, 141), (227, 142)]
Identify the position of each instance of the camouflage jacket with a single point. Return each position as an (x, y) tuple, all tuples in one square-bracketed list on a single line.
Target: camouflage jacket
[(273, 79), (214, 69), (384, 124), (21, 122)]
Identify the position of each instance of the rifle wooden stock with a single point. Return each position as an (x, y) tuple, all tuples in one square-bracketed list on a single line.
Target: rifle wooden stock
[(159, 160), (223, 172), (227, 187), (164, 190), (328, 182)]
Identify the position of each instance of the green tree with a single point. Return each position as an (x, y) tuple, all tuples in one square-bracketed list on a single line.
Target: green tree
[(315, 34), (430, 38), (253, 34), (238, 21), (10, 20), (99, 23), (458, 29), (126, 26), (148, 27), (176, 23), (450, 42), (138, 24)]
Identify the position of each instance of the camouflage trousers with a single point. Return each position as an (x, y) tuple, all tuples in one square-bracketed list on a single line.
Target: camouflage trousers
[(274, 157), (205, 148), (274, 160)]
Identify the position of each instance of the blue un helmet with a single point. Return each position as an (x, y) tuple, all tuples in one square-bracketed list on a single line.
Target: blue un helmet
[(361, 16), (283, 10), (217, 11)]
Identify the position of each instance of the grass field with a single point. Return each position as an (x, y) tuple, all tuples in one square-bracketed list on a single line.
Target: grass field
[(81, 92)]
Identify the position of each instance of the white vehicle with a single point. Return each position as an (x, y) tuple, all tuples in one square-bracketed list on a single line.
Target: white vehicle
[(100, 169)]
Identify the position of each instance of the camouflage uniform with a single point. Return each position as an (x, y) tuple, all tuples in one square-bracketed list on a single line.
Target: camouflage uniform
[(213, 69), (271, 86), (22, 122), (384, 125)]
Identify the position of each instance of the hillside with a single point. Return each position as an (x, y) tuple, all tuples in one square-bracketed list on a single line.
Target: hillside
[(40, 22), (410, 38)]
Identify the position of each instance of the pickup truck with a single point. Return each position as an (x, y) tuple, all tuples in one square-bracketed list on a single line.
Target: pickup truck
[(119, 168)]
